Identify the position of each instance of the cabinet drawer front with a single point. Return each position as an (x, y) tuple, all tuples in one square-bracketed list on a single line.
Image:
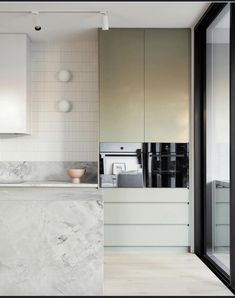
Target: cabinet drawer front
[(222, 235), (146, 213), (146, 195), (222, 195), (222, 214), (144, 235)]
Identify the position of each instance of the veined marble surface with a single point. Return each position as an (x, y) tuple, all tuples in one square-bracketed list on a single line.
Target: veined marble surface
[(49, 246), (17, 172), (50, 194), (60, 184)]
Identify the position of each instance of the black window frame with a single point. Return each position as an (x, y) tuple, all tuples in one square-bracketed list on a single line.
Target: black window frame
[(200, 211)]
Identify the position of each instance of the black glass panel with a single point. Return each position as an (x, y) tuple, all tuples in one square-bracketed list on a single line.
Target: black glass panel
[(168, 165)]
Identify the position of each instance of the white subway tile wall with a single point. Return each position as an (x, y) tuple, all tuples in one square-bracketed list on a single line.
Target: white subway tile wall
[(59, 136)]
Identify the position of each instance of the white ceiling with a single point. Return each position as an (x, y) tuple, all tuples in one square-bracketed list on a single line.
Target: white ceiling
[(64, 26)]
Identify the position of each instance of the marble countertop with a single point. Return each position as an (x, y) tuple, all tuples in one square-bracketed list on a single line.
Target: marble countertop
[(49, 184), (222, 184)]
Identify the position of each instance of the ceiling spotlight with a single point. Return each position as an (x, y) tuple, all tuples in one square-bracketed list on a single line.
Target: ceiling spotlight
[(105, 21), (37, 23)]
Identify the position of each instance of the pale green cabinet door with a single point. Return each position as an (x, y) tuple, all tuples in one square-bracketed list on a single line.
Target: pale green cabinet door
[(167, 85), (121, 56)]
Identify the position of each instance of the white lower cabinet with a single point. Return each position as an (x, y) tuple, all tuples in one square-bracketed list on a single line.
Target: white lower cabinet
[(221, 225), (146, 235), (146, 217), (221, 219), (221, 236), (146, 213)]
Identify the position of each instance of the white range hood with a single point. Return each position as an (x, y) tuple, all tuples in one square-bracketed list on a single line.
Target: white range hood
[(14, 84)]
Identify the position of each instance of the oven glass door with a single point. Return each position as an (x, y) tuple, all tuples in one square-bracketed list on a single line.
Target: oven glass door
[(121, 170)]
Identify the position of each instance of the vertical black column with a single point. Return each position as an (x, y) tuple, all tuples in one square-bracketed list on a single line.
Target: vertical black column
[(201, 209), (199, 85), (232, 145)]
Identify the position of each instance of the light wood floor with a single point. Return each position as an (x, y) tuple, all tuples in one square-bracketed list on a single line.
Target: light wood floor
[(159, 274)]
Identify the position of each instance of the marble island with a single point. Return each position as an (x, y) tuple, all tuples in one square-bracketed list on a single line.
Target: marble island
[(48, 184), (51, 241)]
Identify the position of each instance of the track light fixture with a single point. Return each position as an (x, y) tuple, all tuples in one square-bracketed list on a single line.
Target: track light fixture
[(105, 21), (37, 23), (38, 27)]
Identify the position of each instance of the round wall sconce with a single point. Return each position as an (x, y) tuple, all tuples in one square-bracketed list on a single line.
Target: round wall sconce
[(64, 106), (64, 75)]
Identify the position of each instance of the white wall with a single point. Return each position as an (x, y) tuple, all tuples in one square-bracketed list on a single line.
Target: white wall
[(60, 136)]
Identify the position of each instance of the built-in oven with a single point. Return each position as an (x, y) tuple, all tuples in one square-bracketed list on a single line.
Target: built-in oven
[(166, 164), (121, 165), (144, 165)]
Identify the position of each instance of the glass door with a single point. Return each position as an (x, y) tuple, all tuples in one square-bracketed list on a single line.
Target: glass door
[(218, 140), (214, 140)]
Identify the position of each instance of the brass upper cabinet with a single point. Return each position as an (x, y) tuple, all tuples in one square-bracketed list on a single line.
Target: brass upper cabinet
[(167, 85), (121, 57)]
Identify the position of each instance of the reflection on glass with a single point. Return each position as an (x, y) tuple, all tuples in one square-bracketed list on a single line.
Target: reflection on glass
[(217, 140)]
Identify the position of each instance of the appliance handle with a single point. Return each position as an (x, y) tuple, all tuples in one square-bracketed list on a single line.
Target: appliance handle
[(118, 154), (145, 159), (139, 156)]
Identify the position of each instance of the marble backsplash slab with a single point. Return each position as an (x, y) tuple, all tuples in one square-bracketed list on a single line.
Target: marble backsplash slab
[(16, 172)]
